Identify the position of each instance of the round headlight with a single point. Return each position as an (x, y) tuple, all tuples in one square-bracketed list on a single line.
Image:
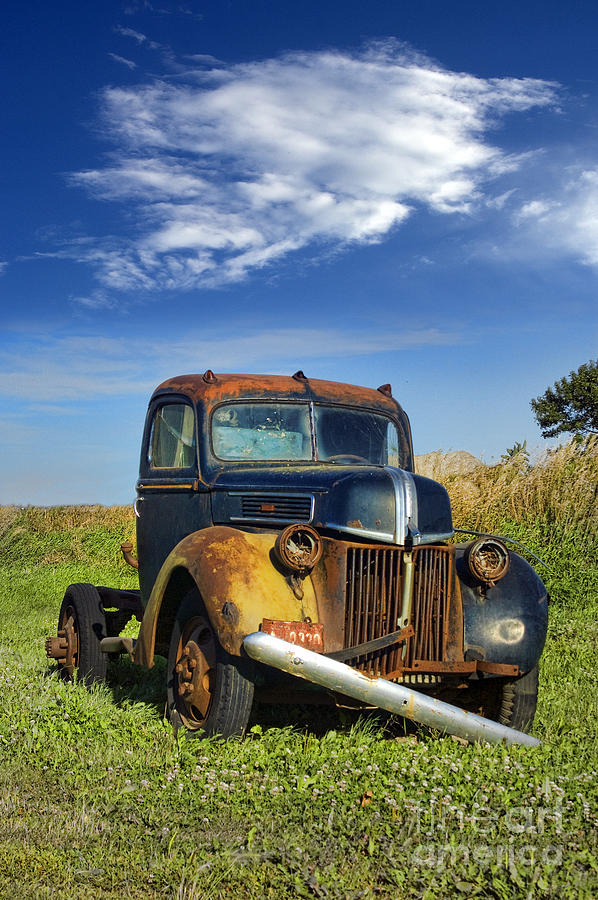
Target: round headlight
[(298, 547), (488, 560)]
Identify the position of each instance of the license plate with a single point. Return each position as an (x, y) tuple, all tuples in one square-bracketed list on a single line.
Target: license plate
[(307, 634)]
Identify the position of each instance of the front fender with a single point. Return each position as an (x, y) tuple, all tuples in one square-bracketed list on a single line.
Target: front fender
[(239, 586), (506, 623)]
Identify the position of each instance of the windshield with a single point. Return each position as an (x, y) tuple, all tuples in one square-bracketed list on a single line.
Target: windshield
[(310, 432)]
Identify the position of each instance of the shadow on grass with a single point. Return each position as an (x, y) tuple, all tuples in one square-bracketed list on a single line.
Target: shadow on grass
[(130, 684), (133, 684), (318, 719)]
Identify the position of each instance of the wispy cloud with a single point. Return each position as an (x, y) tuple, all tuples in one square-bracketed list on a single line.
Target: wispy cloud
[(232, 168), (68, 368), (138, 37), (566, 222), (94, 301), (47, 369), (16, 432), (204, 59), (145, 6), (125, 62)]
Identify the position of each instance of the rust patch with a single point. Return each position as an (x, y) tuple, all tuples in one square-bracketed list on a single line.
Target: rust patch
[(231, 387), (230, 613), (497, 668), (439, 666), (127, 552), (409, 706), (233, 571), (64, 647), (454, 632), (328, 578)]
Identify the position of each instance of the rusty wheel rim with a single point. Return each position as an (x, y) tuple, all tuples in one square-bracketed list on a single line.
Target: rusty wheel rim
[(68, 634), (194, 672)]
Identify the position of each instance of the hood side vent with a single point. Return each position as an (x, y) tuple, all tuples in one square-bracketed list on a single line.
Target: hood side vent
[(277, 509)]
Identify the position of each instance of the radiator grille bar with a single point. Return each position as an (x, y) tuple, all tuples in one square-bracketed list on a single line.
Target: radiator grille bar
[(431, 597), (373, 604)]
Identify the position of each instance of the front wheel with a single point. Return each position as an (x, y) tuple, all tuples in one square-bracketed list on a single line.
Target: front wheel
[(208, 692), (517, 699), (510, 701)]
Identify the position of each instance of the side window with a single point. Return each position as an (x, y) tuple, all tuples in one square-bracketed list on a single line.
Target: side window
[(172, 441), (392, 445)]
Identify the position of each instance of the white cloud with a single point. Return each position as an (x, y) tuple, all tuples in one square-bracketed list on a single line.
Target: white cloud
[(499, 201), (204, 59), (65, 369), (137, 36), (94, 301), (534, 209), (125, 62), (231, 168), (567, 222), (145, 6)]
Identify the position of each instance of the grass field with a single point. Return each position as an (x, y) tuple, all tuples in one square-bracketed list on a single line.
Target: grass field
[(98, 799)]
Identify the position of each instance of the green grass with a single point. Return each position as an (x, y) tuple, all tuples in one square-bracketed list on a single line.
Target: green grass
[(99, 800)]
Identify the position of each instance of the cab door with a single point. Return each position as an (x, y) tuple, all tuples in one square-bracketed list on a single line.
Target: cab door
[(171, 501)]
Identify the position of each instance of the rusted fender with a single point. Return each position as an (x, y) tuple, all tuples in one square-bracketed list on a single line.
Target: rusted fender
[(238, 583)]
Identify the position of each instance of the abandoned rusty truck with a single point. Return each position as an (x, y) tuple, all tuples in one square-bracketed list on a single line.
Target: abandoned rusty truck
[(281, 531)]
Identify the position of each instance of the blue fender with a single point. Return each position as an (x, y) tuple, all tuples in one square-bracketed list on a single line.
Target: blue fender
[(506, 623)]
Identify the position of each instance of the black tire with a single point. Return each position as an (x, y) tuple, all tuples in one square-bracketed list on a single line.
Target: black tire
[(82, 616), (208, 691), (510, 701), (517, 700)]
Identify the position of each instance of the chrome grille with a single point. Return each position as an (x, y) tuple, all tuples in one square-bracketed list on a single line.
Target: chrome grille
[(373, 605), (275, 508)]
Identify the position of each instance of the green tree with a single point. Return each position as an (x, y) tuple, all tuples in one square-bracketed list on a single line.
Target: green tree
[(571, 404)]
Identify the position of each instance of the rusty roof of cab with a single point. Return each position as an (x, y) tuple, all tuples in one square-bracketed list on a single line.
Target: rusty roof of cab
[(211, 389)]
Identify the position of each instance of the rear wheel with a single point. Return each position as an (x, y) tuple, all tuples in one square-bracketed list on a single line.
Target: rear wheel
[(81, 627), (208, 691)]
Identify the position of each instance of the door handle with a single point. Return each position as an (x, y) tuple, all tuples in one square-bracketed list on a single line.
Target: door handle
[(136, 506)]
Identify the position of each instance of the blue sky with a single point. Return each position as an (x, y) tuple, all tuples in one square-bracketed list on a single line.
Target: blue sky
[(370, 192)]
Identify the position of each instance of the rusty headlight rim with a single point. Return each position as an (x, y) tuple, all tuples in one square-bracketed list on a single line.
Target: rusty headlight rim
[(298, 547), (488, 560)]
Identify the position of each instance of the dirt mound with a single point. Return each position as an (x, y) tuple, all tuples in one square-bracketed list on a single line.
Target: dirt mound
[(440, 466)]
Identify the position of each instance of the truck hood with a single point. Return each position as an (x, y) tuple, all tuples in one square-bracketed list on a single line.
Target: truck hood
[(378, 503)]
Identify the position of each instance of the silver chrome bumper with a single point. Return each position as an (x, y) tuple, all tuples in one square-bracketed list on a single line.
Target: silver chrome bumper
[(396, 698)]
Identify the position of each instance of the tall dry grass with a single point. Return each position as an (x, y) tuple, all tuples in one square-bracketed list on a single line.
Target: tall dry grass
[(558, 495), (56, 534), (48, 519), (559, 491)]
